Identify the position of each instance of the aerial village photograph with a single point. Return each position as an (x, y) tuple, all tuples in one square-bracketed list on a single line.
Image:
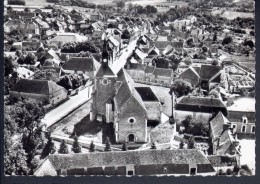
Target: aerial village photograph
[(129, 87)]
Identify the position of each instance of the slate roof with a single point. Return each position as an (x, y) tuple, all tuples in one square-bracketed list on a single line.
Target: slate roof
[(225, 141), (208, 71), (236, 116), (105, 70), (146, 94), (136, 66), (122, 158), (201, 104), (126, 90), (167, 50), (43, 87), (80, 64), (217, 123), (153, 51), (163, 72)]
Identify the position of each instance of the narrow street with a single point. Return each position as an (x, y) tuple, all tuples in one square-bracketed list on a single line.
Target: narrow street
[(67, 107)]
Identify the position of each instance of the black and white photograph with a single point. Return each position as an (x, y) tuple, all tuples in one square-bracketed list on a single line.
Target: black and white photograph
[(129, 88)]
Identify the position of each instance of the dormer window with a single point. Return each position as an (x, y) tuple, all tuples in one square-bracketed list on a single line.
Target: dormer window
[(244, 119)]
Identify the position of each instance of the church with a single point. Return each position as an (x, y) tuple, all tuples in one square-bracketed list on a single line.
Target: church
[(116, 100)]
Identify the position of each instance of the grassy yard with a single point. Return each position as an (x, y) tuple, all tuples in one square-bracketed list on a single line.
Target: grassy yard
[(162, 133)]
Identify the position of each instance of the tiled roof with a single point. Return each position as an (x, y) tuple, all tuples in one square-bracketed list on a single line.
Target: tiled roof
[(201, 104), (208, 71), (236, 116), (43, 87), (122, 158), (80, 64), (33, 45), (217, 123), (163, 72)]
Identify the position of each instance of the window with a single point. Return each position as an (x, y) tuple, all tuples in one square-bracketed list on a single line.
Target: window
[(130, 173), (131, 120), (193, 171), (104, 81), (234, 127), (253, 129), (244, 119), (243, 128)]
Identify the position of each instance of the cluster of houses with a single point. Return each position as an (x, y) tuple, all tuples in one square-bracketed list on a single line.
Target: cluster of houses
[(116, 99)]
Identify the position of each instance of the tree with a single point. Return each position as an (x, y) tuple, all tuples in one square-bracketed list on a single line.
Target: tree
[(108, 145), (204, 49), (63, 148), (76, 148), (124, 147), (161, 62), (215, 37), (215, 62), (180, 87), (249, 43), (49, 148), (125, 34), (30, 59), (92, 147), (153, 146), (130, 6), (9, 66), (190, 42), (181, 146), (65, 82), (120, 4), (175, 61), (187, 61), (227, 40), (191, 143), (214, 93)]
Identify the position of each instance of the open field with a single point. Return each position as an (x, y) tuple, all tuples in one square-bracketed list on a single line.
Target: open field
[(232, 14)]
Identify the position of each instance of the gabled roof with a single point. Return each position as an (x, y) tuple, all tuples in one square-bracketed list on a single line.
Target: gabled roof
[(163, 72), (80, 64), (201, 104), (126, 90), (154, 51), (24, 72), (208, 71), (123, 158), (32, 45), (217, 123), (141, 55), (191, 69), (105, 70), (113, 41), (43, 87), (167, 50), (147, 94), (225, 141), (164, 44)]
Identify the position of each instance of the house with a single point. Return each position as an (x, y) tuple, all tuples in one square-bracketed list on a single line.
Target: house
[(242, 116), (223, 140), (190, 75), (210, 75), (31, 46), (147, 162), (12, 24), (24, 73), (162, 45), (48, 73), (63, 38), (81, 65), (47, 91), (201, 108), (162, 76), (51, 54)]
